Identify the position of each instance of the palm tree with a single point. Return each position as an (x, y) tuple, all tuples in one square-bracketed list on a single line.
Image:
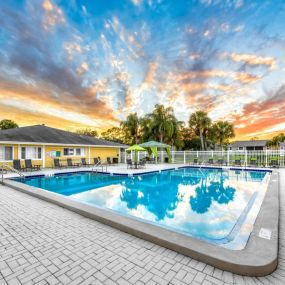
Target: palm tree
[(162, 122), (131, 126), (200, 122), (223, 131)]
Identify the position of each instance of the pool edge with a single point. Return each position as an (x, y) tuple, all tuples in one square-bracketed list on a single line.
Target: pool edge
[(259, 258)]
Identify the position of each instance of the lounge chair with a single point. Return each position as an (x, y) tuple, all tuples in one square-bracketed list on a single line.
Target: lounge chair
[(17, 165), (253, 162), (97, 161), (238, 162), (71, 164), (221, 161), (129, 163), (274, 163), (109, 161), (150, 160), (56, 163), (84, 163), (142, 163), (211, 161), (30, 166)]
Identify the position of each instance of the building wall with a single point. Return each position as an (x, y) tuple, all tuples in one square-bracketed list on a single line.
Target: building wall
[(49, 151)]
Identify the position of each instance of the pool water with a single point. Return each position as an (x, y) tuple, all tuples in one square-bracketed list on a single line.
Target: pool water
[(209, 204)]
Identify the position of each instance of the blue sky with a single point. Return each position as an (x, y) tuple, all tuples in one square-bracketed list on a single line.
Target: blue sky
[(73, 63)]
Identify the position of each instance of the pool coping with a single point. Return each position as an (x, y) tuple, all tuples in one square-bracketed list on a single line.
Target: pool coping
[(258, 258)]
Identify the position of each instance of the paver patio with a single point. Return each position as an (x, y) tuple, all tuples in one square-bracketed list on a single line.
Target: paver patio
[(41, 243)]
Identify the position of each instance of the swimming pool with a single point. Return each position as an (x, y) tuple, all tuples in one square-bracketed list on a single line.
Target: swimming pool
[(215, 205)]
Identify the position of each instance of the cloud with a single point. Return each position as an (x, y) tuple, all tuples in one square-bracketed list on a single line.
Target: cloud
[(266, 116), (253, 60), (39, 61), (53, 15), (136, 2)]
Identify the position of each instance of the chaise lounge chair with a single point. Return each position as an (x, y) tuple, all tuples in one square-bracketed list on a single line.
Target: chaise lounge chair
[(220, 161), (211, 161), (129, 163), (97, 161), (109, 161), (142, 163), (71, 164), (57, 164), (17, 165), (30, 166), (84, 163)]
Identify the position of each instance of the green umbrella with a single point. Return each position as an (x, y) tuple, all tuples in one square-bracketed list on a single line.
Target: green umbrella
[(135, 148), (153, 145)]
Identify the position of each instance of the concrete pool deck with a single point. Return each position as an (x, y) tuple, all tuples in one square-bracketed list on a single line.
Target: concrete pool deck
[(119, 169), (160, 268)]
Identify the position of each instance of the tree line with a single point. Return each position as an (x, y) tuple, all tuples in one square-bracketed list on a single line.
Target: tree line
[(199, 133)]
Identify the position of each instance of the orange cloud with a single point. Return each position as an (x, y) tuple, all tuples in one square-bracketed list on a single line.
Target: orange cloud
[(262, 116), (254, 60), (82, 108), (53, 15), (83, 68)]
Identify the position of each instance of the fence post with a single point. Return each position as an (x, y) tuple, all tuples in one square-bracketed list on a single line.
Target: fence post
[(245, 158), (125, 156), (266, 158), (184, 158)]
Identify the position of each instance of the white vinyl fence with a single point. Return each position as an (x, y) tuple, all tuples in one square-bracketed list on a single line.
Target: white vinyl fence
[(260, 158)]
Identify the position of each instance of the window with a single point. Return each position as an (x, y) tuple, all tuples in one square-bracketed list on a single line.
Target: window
[(74, 151), (31, 152), (6, 153)]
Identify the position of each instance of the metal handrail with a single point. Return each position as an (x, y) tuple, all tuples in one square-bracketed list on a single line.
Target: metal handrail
[(99, 163), (12, 169)]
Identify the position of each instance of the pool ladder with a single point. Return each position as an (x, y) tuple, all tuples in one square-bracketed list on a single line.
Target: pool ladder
[(97, 165), (200, 168), (5, 166)]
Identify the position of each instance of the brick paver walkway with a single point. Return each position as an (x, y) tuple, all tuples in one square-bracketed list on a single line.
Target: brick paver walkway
[(41, 243)]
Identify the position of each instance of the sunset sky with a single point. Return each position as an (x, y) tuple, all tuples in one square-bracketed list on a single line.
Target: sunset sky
[(79, 63)]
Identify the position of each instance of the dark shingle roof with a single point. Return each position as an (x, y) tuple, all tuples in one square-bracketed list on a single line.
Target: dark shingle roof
[(44, 134), (249, 143)]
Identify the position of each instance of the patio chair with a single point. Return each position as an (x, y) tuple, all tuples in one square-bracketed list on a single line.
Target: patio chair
[(17, 165), (56, 163), (195, 161), (30, 166), (237, 162), (129, 163), (71, 164), (151, 160), (109, 161), (253, 162), (274, 163), (97, 161), (142, 163), (84, 163), (220, 161)]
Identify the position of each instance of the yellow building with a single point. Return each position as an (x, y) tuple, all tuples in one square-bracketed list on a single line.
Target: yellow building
[(42, 144)]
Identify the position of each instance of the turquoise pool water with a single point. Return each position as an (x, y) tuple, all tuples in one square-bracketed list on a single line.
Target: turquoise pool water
[(208, 204)]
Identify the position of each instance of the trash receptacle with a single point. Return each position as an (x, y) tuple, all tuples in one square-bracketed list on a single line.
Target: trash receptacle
[(166, 160)]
